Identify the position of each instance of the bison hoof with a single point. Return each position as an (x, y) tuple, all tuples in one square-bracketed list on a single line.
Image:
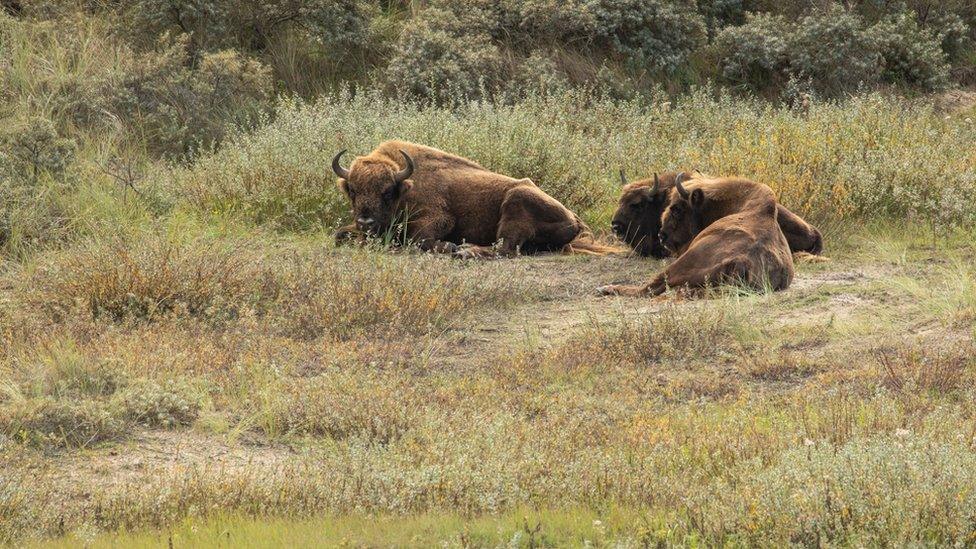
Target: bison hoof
[(471, 251), (348, 237), (465, 253)]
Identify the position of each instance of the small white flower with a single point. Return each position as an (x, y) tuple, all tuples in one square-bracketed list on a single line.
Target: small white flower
[(808, 442), (902, 433)]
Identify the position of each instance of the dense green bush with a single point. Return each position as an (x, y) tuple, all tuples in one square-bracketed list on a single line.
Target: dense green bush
[(833, 51), (33, 184), (33, 149), (214, 25), (757, 54), (656, 34), (430, 50), (569, 21), (836, 52), (441, 55), (911, 54), (177, 108)]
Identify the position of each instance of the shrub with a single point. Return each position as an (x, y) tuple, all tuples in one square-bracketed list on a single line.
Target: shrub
[(33, 149), (161, 404), (47, 422), (912, 55), (833, 51), (555, 21), (536, 74), (174, 108), (439, 57), (719, 14), (214, 25), (655, 34), (33, 185), (756, 55)]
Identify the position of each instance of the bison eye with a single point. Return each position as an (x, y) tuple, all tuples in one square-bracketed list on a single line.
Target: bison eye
[(390, 194), (635, 206)]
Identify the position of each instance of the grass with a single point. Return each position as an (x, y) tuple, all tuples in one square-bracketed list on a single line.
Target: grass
[(521, 528), (909, 161), (724, 420), (184, 352)]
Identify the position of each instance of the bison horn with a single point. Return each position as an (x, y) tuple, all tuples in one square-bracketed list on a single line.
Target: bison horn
[(405, 173), (337, 167), (677, 184), (623, 177), (657, 184)]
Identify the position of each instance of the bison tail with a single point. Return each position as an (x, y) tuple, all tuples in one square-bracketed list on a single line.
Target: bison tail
[(585, 244)]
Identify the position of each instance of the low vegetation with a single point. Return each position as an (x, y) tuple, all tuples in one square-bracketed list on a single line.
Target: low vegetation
[(185, 354)]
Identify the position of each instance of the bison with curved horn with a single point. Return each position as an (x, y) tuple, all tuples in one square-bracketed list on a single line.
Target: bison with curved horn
[(448, 204), (637, 220), (723, 231)]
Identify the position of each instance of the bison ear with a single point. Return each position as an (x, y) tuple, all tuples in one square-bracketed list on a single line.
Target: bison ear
[(405, 186), (657, 197), (697, 199)]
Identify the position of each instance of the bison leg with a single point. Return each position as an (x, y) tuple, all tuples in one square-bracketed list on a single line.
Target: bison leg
[(683, 272), (800, 235), (532, 220), (428, 233)]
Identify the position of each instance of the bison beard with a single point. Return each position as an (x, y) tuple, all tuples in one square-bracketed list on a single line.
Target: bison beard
[(637, 220), (745, 246), (453, 205)]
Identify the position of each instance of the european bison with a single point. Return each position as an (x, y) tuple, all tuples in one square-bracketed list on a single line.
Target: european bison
[(724, 230), (637, 220), (450, 204)]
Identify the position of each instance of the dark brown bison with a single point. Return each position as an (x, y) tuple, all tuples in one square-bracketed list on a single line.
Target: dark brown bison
[(445, 203), (637, 220), (745, 245)]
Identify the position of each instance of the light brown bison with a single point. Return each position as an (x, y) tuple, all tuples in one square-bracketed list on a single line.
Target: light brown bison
[(450, 204), (637, 220), (724, 231)]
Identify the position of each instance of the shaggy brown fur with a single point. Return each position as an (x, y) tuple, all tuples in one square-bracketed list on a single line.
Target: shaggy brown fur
[(637, 220), (745, 245), (453, 205)]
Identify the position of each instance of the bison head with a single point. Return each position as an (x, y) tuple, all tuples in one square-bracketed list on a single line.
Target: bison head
[(683, 219), (375, 187), (637, 220)]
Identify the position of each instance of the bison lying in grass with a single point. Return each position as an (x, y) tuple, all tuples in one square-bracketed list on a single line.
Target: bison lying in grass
[(637, 220), (723, 231), (449, 204)]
